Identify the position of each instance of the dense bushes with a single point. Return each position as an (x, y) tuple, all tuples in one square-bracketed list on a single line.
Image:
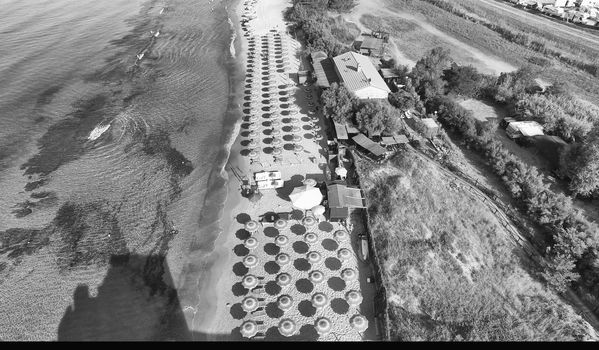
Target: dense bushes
[(571, 235), (321, 32)]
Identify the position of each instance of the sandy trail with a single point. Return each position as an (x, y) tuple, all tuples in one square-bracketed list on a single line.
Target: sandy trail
[(485, 62)]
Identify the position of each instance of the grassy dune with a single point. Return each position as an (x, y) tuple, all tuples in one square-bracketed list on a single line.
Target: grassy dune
[(449, 270)]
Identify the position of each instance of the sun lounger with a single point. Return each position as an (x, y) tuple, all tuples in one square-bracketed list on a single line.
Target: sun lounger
[(260, 312)]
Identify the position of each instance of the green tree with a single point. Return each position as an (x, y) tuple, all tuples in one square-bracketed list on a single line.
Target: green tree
[(465, 80), (559, 273), (377, 117), (338, 103), (428, 71), (584, 167)]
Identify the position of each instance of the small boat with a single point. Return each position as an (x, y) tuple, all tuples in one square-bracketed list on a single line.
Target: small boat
[(156, 34), (363, 246), (140, 55)]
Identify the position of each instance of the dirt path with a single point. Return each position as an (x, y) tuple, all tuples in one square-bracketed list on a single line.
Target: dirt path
[(485, 62)]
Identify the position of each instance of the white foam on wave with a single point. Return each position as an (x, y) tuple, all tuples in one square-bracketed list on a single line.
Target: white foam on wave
[(233, 37), (98, 131)]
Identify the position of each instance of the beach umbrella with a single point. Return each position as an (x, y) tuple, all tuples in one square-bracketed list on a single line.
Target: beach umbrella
[(341, 236), (341, 171), (253, 154), (284, 302), (318, 210), (308, 221), (283, 279), (250, 261), (276, 152), (316, 276), (276, 141), (253, 134), (310, 182), (344, 254), (249, 304), (311, 111), (249, 329), (359, 322), (307, 89), (319, 300), (280, 223), (349, 274), (295, 128), (353, 297), (323, 325), (293, 121), (287, 327), (311, 238), (316, 127), (293, 112), (253, 126), (298, 148), (249, 281), (275, 123), (274, 116), (282, 259), (256, 196), (318, 137), (314, 257), (296, 138), (281, 240), (314, 118), (305, 197), (251, 243), (275, 132), (253, 144), (251, 226)]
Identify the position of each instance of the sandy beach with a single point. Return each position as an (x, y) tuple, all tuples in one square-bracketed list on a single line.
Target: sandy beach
[(281, 130)]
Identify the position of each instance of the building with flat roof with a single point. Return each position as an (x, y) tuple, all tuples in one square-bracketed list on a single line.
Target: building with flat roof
[(527, 128), (324, 69), (341, 199), (371, 46), (359, 75), (374, 148)]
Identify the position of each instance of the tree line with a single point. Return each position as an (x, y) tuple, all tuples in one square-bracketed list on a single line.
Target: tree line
[(573, 242)]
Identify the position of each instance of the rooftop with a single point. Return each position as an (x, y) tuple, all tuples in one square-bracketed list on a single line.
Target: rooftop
[(357, 72), (370, 145)]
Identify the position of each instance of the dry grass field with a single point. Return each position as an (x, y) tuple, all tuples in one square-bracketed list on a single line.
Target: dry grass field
[(450, 272)]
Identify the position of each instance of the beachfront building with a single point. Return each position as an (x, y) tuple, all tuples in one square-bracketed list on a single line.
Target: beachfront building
[(324, 69), (375, 150), (342, 199), (359, 75)]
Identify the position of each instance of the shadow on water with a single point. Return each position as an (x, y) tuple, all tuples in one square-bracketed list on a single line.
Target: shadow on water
[(135, 302)]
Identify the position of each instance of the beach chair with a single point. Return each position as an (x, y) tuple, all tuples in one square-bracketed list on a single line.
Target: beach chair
[(258, 290), (259, 312)]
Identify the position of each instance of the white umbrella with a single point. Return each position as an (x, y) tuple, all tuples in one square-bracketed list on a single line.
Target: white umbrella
[(283, 279), (323, 325), (250, 261), (349, 274), (249, 304), (319, 300), (287, 327), (341, 171), (316, 276), (251, 243), (318, 210), (249, 281), (310, 182), (359, 322), (311, 237), (341, 236), (280, 223), (251, 226), (344, 254), (249, 329), (285, 302), (314, 257), (305, 197), (353, 297), (282, 259), (281, 240)]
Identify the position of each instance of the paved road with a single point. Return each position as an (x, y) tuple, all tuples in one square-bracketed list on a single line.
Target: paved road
[(530, 18)]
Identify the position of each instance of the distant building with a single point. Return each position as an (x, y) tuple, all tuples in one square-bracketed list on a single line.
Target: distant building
[(432, 128), (324, 69), (371, 46), (526, 128), (341, 199), (360, 76)]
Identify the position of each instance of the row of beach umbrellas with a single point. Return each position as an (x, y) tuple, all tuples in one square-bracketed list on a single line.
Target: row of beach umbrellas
[(287, 327)]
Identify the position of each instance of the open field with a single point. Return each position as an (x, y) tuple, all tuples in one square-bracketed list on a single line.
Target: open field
[(450, 271)]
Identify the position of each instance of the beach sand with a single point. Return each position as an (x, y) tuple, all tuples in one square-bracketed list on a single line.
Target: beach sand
[(224, 290)]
